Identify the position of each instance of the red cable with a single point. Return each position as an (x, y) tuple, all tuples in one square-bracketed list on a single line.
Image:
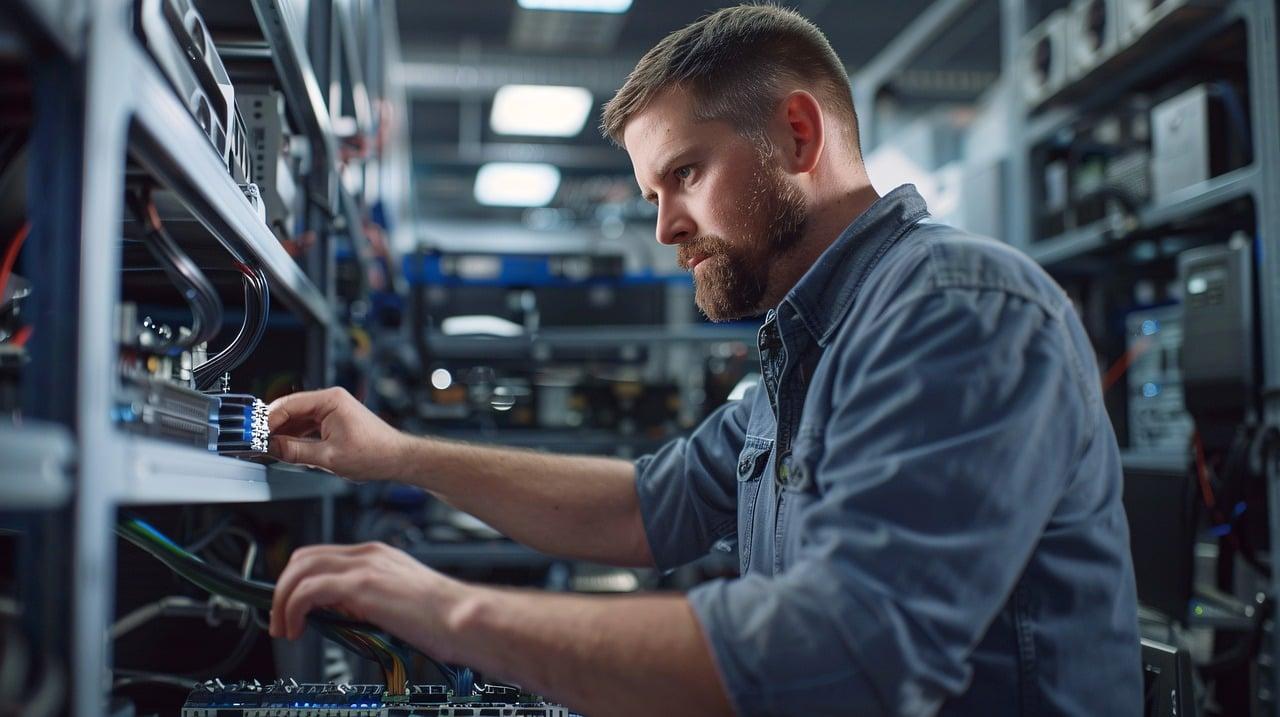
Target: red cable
[(1123, 363), (1202, 472), (11, 255), (21, 335)]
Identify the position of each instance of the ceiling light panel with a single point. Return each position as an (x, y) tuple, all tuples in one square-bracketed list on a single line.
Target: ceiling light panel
[(609, 6), (515, 184), (540, 110)]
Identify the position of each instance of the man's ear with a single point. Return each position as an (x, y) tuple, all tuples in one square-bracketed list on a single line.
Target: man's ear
[(799, 132)]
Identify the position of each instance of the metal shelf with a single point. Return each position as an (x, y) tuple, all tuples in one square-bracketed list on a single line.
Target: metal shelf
[(1072, 244), (448, 346), (1181, 206), (491, 553), (1198, 198), (183, 157), (1153, 461), (37, 463), (157, 472)]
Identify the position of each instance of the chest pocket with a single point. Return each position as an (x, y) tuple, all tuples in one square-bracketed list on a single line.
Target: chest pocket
[(799, 491), (750, 471)]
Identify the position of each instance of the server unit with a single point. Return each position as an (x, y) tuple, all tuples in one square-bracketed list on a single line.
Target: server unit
[(1044, 59), (1093, 34), (175, 35), (274, 151), (1140, 17), (1198, 134), (1219, 360), (1158, 418)]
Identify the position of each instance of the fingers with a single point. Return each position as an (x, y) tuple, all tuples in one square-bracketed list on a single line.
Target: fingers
[(303, 408), (305, 564), (298, 450), (334, 590)]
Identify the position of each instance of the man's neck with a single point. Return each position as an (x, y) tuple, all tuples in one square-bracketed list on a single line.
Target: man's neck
[(826, 221)]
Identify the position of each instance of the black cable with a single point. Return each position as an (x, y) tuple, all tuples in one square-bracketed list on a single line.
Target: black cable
[(210, 535), (257, 308), (195, 287)]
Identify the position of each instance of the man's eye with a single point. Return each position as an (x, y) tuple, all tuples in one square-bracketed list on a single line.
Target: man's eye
[(683, 173)]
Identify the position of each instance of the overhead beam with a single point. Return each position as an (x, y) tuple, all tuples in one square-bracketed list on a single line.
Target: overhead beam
[(606, 159), (901, 50), (472, 73)]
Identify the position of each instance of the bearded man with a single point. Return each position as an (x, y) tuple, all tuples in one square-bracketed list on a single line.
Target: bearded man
[(924, 488)]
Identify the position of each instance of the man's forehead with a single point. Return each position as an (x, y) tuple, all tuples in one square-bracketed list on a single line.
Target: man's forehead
[(666, 116)]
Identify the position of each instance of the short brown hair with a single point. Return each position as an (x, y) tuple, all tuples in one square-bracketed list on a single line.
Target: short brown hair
[(734, 63)]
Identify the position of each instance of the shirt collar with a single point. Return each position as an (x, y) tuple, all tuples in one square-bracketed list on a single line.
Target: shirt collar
[(829, 287)]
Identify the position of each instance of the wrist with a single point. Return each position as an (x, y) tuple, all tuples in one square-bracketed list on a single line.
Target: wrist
[(403, 461), (465, 612)]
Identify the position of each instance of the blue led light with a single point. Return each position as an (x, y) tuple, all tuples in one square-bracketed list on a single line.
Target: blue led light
[(1150, 326), (248, 422), (1150, 390)]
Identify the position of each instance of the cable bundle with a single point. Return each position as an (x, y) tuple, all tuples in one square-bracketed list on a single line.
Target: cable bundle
[(361, 638), (242, 424), (257, 307), (199, 292)]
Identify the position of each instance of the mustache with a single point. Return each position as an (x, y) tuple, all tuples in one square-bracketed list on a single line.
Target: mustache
[(705, 246)]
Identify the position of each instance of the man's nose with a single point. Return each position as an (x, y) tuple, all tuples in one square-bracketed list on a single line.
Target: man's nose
[(675, 226)]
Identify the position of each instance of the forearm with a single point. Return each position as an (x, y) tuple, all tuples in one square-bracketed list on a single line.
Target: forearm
[(581, 507), (640, 655)]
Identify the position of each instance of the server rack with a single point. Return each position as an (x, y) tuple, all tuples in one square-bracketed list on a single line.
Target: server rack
[(1092, 247), (99, 101)]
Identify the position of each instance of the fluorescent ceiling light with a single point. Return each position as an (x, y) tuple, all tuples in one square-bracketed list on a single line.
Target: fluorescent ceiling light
[(611, 6), (540, 110), (515, 184), (473, 324)]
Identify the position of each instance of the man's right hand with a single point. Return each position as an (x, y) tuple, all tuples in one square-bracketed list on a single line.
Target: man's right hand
[(330, 429)]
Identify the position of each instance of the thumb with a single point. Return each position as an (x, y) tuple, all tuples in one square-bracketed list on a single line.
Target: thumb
[(296, 450)]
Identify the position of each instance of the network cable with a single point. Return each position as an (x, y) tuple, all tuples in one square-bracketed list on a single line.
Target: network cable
[(196, 288), (257, 307), (361, 638)]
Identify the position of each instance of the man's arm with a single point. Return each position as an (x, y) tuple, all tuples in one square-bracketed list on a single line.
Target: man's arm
[(574, 506), (616, 656)]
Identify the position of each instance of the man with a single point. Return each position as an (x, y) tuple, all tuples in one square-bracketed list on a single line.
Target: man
[(925, 487)]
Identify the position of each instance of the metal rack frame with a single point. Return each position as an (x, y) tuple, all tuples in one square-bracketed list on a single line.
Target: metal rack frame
[(1259, 181), (99, 101)]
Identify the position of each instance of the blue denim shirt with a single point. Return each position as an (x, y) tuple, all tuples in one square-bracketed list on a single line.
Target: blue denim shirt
[(924, 488)]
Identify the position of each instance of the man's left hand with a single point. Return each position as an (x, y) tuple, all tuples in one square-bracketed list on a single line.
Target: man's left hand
[(370, 582)]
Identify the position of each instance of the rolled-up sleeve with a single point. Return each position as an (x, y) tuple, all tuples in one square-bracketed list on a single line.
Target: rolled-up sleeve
[(688, 489), (956, 418)]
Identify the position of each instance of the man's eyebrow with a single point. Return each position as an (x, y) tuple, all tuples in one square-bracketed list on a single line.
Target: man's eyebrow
[(665, 168)]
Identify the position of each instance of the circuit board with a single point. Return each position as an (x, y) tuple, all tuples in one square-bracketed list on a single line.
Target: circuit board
[(291, 699)]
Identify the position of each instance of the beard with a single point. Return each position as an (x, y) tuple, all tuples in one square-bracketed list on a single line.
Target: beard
[(733, 281)]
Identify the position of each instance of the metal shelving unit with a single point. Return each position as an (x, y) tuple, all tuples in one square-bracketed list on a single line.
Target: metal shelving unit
[(1259, 182), (175, 149), (1184, 204), (161, 473), (100, 103), (36, 473)]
